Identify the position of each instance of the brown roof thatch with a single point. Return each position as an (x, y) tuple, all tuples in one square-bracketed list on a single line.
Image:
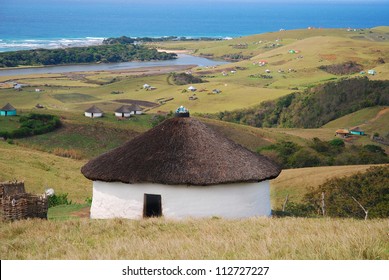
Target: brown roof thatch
[(94, 110), (135, 107), (8, 107), (180, 151), (123, 109), (342, 131)]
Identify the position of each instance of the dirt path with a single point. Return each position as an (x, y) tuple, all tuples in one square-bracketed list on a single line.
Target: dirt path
[(83, 213), (379, 115)]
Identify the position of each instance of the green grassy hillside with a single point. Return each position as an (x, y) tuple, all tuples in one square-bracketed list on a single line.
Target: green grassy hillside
[(41, 170)]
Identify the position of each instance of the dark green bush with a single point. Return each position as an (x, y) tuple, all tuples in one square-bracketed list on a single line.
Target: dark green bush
[(59, 199), (33, 124), (370, 189)]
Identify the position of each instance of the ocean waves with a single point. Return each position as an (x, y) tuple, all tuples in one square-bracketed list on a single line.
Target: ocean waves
[(29, 44)]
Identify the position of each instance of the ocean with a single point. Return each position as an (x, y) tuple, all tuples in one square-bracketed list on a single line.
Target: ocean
[(27, 24)]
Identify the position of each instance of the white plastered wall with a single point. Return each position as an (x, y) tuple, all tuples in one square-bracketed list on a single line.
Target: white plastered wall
[(240, 200), (95, 115), (125, 115)]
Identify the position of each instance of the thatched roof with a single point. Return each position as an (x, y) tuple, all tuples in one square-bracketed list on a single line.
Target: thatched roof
[(180, 151), (8, 107), (135, 107), (342, 131), (123, 109), (94, 110)]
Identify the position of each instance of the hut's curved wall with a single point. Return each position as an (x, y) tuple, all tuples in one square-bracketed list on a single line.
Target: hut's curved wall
[(8, 113), (93, 115), (239, 200), (123, 115)]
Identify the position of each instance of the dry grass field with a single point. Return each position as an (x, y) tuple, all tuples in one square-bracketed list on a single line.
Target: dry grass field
[(256, 238)]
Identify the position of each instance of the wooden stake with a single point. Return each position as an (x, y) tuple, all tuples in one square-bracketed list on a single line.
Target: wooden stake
[(285, 202)]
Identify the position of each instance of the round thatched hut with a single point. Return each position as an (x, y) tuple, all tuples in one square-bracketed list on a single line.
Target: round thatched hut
[(180, 168), (136, 109), (93, 112), (8, 110), (123, 111)]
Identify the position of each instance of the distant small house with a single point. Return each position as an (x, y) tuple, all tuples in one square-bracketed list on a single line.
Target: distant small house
[(8, 110), (38, 90), (93, 112), (123, 112), (342, 133), (136, 110), (18, 86), (372, 72), (192, 88), (267, 71), (146, 86), (356, 131), (233, 71)]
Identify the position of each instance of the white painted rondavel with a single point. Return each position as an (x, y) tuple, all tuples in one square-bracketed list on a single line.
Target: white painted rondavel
[(180, 169)]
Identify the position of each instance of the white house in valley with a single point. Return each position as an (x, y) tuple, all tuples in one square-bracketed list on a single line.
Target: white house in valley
[(123, 111), (192, 88), (179, 169), (93, 112), (136, 109)]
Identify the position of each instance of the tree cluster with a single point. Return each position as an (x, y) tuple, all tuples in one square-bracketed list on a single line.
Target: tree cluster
[(315, 106), (362, 196), (102, 53), (185, 79), (323, 153), (33, 124)]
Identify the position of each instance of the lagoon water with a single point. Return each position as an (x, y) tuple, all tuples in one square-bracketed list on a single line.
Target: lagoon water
[(26, 24), (182, 59)]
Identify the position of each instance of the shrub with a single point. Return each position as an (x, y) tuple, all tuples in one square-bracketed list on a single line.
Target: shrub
[(33, 124), (59, 199), (296, 210), (184, 79), (336, 142), (371, 189)]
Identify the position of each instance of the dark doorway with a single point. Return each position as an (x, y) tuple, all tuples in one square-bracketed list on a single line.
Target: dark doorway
[(152, 205)]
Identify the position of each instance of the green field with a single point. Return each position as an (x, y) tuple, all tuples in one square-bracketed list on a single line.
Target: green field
[(74, 97), (9, 123)]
